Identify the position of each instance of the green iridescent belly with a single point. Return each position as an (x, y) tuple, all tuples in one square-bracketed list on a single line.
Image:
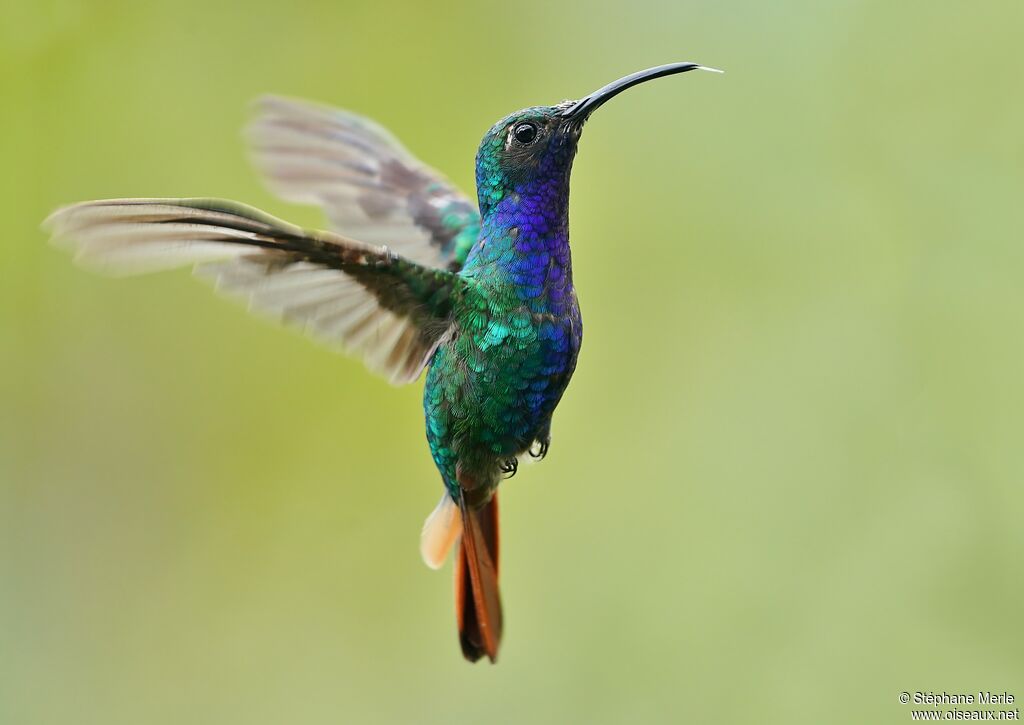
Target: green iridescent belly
[(492, 387)]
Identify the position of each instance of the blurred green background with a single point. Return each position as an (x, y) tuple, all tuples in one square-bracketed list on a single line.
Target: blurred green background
[(785, 485)]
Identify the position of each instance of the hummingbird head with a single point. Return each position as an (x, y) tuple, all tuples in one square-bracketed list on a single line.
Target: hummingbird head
[(532, 150)]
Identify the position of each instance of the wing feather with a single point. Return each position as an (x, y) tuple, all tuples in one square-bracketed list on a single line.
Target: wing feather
[(367, 182), (377, 304)]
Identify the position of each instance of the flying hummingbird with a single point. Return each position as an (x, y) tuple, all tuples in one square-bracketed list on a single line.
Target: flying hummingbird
[(414, 276)]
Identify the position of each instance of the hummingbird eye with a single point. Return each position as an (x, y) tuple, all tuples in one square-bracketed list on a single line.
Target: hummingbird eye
[(525, 133)]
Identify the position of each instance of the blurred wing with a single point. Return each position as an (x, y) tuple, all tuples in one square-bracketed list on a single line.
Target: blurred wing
[(370, 186), (390, 310)]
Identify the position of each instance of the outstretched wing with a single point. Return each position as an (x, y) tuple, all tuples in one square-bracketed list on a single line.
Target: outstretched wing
[(370, 186), (387, 308)]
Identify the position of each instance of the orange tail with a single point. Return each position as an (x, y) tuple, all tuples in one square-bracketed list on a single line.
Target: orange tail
[(477, 601)]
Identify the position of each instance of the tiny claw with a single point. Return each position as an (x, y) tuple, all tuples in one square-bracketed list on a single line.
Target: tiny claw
[(539, 449), (510, 467)]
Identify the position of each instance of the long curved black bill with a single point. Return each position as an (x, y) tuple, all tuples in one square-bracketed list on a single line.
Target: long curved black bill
[(581, 109)]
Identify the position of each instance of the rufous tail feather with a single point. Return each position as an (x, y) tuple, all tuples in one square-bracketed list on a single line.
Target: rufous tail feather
[(477, 599)]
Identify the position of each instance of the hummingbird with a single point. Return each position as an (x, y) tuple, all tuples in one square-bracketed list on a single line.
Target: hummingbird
[(412, 276)]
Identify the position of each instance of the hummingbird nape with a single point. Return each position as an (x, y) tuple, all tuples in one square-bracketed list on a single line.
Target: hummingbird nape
[(413, 276)]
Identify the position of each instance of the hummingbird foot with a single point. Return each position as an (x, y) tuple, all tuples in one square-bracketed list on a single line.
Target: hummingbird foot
[(539, 449), (510, 467)]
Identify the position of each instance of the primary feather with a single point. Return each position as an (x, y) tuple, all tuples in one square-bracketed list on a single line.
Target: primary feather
[(368, 183), (388, 309)]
